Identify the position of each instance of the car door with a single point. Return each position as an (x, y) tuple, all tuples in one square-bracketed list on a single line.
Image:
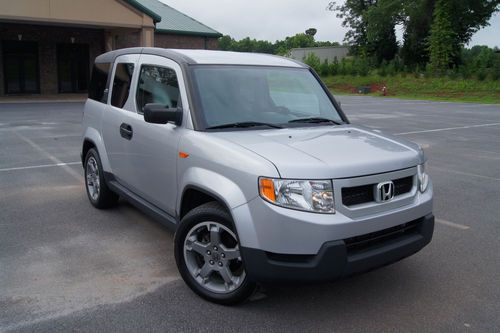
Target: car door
[(153, 151), (117, 131)]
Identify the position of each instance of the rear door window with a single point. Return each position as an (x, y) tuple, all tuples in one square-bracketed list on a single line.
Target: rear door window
[(99, 82), (121, 84), (157, 85)]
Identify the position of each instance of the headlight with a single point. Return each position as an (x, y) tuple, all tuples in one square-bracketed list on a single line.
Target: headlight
[(308, 195), (423, 178)]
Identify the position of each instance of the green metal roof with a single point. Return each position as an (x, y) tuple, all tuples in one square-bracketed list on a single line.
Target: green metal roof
[(174, 22), (140, 7)]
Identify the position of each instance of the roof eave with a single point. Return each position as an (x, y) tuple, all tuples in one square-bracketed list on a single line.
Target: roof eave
[(156, 18), (189, 33)]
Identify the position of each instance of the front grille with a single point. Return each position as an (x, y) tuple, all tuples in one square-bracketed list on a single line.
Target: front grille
[(363, 194), (364, 242), (357, 195), (403, 185)]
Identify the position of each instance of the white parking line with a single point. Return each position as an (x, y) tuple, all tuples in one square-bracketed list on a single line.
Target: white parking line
[(452, 224), (54, 159), (448, 129), (40, 166)]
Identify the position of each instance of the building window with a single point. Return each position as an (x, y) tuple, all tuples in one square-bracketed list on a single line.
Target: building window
[(157, 85), (121, 84), (99, 82), (21, 70)]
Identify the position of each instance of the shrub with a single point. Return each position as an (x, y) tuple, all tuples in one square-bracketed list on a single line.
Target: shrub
[(495, 73), (363, 67), (382, 71), (391, 68), (465, 72), (325, 68), (482, 74), (313, 60), (344, 68), (452, 74), (334, 67)]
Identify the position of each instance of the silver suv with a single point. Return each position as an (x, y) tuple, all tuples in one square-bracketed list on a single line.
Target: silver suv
[(253, 164)]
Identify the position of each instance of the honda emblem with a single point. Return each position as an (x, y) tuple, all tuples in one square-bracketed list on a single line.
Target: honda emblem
[(384, 192)]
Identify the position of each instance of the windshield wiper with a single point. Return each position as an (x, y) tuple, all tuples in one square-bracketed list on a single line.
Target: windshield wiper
[(244, 124), (315, 120)]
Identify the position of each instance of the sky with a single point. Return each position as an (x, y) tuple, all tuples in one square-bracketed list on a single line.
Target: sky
[(276, 19)]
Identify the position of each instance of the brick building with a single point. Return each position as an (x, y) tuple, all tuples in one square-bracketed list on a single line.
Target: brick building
[(48, 46)]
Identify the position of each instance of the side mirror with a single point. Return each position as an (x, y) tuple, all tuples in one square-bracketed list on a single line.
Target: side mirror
[(159, 114)]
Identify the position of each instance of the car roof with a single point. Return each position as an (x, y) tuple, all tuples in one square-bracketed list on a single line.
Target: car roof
[(191, 57)]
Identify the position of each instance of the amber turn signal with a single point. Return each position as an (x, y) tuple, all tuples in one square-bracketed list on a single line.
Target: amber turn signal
[(266, 188)]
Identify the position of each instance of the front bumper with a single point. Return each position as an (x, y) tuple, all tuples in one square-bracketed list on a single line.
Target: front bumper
[(341, 258)]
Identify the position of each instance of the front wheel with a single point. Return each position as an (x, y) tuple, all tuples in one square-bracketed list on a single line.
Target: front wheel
[(208, 256)]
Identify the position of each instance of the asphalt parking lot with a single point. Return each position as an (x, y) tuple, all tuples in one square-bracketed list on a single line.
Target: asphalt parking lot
[(67, 266)]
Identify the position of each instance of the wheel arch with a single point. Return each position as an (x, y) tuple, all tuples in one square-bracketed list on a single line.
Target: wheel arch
[(87, 145), (92, 136), (194, 196), (209, 183)]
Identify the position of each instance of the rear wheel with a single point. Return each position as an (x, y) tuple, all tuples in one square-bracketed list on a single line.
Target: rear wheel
[(100, 196), (208, 256)]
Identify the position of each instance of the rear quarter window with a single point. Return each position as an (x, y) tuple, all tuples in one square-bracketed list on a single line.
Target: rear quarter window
[(121, 84), (99, 82)]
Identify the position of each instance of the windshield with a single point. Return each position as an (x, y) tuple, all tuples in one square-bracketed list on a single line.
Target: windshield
[(261, 95)]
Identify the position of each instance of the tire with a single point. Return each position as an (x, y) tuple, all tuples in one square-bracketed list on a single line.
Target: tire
[(213, 270), (98, 192)]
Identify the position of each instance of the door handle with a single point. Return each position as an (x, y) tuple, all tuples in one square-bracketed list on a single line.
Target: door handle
[(126, 131)]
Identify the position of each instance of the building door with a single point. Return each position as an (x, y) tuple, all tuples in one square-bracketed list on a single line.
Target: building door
[(21, 71), (73, 67)]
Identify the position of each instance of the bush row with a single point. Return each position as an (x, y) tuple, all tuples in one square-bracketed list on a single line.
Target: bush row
[(481, 63)]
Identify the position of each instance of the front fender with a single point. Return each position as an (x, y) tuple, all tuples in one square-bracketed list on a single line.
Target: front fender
[(228, 193), (223, 188)]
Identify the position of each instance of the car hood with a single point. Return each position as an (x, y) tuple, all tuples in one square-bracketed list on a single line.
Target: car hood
[(327, 151)]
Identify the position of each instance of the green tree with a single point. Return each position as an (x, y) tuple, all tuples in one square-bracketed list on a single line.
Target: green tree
[(226, 43), (299, 40), (352, 14), (282, 47), (311, 31), (371, 25), (442, 38), (417, 20), (381, 19)]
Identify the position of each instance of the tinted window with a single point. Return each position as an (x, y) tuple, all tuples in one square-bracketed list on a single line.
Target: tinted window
[(157, 85), (121, 84), (98, 83)]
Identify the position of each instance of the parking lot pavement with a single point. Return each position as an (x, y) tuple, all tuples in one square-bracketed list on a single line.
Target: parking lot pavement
[(66, 266)]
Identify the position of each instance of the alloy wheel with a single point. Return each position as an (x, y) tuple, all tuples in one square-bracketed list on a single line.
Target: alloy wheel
[(92, 175), (212, 256)]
